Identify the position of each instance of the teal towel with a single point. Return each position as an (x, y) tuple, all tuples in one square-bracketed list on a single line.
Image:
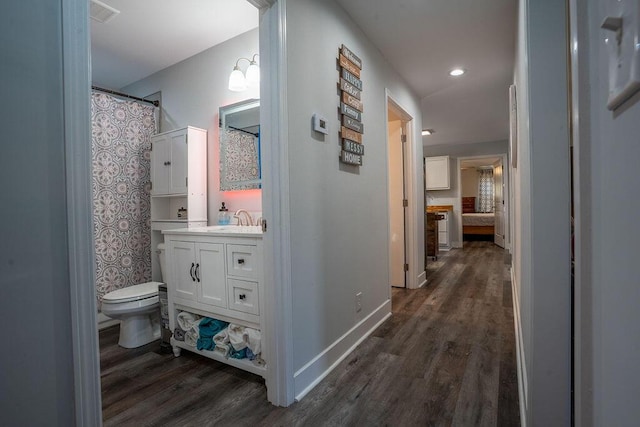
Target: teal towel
[(208, 328)]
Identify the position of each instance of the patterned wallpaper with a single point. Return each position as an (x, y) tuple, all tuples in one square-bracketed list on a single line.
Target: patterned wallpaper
[(121, 132)]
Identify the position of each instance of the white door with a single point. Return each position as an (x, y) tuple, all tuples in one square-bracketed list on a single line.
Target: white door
[(396, 205), (499, 204), (182, 264), (210, 274)]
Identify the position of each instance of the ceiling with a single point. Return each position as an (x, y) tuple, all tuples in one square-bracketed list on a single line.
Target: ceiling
[(422, 39), (150, 35)]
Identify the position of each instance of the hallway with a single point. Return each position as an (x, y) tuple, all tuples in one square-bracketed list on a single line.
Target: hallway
[(445, 357)]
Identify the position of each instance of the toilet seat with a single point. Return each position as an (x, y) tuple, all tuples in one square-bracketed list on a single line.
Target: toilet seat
[(132, 293)]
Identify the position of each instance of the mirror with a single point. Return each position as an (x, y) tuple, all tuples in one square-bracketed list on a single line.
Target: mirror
[(240, 146)]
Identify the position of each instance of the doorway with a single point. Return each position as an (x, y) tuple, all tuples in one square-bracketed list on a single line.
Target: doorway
[(484, 199), (398, 180)]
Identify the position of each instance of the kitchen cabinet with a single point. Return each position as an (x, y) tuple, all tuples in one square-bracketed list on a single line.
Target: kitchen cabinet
[(437, 176)]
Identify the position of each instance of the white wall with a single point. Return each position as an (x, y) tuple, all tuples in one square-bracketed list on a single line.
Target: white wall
[(192, 92), (339, 214), (452, 196), (541, 216), (607, 234), (37, 374)]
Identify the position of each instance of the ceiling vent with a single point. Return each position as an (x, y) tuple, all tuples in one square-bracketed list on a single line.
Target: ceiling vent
[(102, 12)]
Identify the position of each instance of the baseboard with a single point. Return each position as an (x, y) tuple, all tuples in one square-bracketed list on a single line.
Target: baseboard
[(522, 367), (307, 377), (106, 322), (422, 279)]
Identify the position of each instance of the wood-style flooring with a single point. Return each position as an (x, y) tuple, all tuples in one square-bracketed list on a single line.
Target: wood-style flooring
[(445, 358)]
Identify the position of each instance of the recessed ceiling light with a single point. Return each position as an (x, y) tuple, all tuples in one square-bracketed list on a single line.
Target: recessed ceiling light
[(426, 132), (456, 72)]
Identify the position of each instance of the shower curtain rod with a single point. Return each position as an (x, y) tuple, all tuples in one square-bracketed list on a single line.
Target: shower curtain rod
[(124, 95)]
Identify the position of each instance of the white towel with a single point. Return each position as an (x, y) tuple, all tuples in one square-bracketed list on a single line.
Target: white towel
[(222, 349), (187, 320), (221, 338), (191, 336), (242, 337), (253, 338), (236, 336)]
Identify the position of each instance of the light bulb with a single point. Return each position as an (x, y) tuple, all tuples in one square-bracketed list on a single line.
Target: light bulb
[(253, 75), (237, 82)]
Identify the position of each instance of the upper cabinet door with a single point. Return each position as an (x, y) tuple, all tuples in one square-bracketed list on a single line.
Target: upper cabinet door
[(437, 173), (160, 164), (178, 170)]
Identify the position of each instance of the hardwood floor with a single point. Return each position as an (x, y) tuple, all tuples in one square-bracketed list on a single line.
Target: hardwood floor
[(445, 358)]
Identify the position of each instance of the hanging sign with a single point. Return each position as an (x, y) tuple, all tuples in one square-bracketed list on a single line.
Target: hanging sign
[(352, 147), (350, 111), (350, 89), (350, 134), (351, 107), (352, 101), (350, 158)]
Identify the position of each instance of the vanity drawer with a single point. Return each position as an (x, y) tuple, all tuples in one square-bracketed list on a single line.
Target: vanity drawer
[(242, 261), (243, 296)]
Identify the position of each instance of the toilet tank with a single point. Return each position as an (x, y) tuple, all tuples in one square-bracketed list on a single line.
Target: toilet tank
[(161, 253)]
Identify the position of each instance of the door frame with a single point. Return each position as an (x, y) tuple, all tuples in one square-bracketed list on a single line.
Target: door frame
[(506, 171), (415, 277)]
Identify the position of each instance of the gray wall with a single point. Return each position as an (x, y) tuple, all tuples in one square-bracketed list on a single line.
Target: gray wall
[(541, 255), (339, 215), (192, 92), (607, 288), (37, 362)]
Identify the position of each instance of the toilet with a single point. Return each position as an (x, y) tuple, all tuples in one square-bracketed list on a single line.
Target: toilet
[(138, 309)]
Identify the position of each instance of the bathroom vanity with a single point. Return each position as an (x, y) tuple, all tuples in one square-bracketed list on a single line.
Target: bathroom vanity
[(216, 272)]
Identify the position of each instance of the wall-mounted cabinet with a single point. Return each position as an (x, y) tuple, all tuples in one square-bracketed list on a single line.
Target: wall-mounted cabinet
[(437, 176), (178, 184)]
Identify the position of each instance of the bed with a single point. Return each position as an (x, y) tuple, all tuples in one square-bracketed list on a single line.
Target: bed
[(474, 222)]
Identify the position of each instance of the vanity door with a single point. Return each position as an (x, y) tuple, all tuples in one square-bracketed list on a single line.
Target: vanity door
[(210, 274)]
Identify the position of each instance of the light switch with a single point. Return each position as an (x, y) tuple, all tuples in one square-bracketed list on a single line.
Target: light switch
[(622, 25)]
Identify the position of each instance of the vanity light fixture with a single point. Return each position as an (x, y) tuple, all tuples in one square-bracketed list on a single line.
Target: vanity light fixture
[(457, 72), (239, 81), (426, 132)]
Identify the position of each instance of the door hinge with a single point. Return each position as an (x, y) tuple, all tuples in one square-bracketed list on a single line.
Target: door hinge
[(403, 138), (150, 185), (405, 203), (151, 147), (264, 225), (406, 267), (186, 181)]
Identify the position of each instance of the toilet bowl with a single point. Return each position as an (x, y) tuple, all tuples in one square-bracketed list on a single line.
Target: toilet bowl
[(138, 309)]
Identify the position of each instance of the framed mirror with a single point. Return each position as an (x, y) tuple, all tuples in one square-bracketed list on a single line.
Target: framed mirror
[(240, 146)]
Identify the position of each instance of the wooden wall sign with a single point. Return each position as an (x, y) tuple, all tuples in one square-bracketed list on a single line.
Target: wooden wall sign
[(351, 107)]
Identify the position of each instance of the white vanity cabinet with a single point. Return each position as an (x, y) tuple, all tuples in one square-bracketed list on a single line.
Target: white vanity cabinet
[(216, 274)]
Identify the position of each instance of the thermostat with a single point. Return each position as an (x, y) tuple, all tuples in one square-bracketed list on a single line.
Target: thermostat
[(320, 124)]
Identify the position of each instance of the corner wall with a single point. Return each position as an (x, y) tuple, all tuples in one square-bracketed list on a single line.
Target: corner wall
[(192, 91), (339, 214)]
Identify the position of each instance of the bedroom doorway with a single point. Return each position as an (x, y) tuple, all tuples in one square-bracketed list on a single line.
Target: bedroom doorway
[(484, 196)]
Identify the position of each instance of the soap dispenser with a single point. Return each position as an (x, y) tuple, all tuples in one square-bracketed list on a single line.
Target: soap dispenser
[(223, 215)]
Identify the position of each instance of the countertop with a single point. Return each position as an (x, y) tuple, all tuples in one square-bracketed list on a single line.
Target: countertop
[(439, 208), (220, 230)]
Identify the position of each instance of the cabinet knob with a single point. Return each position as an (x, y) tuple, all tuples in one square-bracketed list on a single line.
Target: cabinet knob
[(241, 261), (242, 296)]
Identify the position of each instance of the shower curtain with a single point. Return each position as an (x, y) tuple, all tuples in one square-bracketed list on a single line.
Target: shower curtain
[(121, 132)]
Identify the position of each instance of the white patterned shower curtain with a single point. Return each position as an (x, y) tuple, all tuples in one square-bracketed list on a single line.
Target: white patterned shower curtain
[(485, 190), (121, 132)]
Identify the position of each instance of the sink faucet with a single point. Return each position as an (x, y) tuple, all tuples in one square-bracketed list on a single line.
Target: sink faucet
[(239, 214)]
